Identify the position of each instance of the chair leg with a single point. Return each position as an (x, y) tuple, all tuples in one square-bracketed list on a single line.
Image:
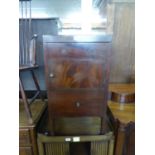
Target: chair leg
[(36, 84), (28, 112)]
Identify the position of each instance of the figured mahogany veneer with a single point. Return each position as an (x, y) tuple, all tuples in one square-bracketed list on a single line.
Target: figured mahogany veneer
[(77, 74), (73, 73), (76, 103)]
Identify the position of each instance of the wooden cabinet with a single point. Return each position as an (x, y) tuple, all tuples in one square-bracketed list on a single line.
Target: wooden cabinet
[(25, 151), (24, 137), (77, 74), (28, 132), (27, 140)]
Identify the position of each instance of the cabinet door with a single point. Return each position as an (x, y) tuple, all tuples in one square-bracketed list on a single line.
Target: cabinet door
[(25, 151), (75, 65), (69, 73)]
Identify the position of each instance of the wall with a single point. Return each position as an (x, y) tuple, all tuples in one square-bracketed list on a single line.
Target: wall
[(123, 45)]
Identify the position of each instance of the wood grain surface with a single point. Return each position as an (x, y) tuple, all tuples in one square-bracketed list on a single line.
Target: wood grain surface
[(123, 44)]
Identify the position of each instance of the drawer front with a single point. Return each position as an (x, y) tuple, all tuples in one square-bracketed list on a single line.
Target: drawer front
[(74, 73), (24, 137), (76, 104), (25, 151)]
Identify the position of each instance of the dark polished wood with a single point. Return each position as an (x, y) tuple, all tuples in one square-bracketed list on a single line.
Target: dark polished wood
[(123, 98), (122, 93), (77, 75), (122, 116), (71, 103), (130, 139), (74, 73)]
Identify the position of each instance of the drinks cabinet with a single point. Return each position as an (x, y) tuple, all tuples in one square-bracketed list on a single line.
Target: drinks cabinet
[(77, 76)]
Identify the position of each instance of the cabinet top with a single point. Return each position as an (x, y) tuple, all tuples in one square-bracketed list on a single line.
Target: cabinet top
[(76, 38)]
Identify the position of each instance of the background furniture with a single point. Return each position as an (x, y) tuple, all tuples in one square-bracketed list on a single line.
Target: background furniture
[(122, 117), (27, 55), (77, 75), (27, 102), (28, 132)]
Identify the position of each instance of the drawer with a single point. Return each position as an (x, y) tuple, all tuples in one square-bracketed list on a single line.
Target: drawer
[(25, 151), (24, 137), (76, 50), (76, 103)]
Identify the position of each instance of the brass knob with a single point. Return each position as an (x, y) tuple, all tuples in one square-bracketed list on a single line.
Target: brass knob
[(77, 104), (51, 75)]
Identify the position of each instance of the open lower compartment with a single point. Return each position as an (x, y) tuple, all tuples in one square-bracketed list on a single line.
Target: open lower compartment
[(75, 144)]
